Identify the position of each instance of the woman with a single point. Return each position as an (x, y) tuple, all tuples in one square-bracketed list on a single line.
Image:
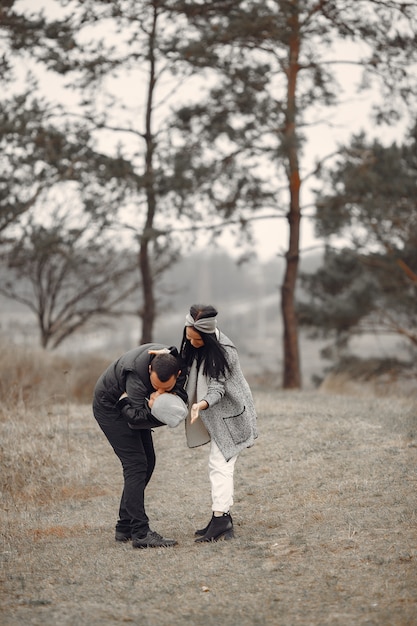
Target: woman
[(222, 411)]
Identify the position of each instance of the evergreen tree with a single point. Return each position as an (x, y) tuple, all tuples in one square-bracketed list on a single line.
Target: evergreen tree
[(275, 62), (369, 198)]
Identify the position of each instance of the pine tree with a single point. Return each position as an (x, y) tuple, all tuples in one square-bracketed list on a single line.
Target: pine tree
[(275, 63), (369, 199)]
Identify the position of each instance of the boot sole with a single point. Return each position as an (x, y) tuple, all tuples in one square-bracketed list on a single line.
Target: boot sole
[(226, 536), (153, 545), (123, 539)]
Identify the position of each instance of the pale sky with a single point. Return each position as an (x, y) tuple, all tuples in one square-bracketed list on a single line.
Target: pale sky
[(352, 116), (348, 119)]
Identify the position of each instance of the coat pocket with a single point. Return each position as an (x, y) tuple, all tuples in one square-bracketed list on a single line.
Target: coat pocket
[(238, 427)]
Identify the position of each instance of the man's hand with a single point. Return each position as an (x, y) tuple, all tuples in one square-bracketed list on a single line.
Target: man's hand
[(153, 397)]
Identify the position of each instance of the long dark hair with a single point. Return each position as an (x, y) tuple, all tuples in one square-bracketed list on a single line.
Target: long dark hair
[(212, 356)]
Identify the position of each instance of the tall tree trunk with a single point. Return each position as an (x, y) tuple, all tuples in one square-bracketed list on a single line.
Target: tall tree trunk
[(145, 261), (291, 374), (148, 309)]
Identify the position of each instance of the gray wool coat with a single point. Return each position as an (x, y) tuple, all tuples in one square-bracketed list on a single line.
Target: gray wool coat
[(230, 418)]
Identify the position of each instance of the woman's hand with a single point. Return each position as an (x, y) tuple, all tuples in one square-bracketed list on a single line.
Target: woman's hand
[(160, 351), (196, 408), (195, 412)]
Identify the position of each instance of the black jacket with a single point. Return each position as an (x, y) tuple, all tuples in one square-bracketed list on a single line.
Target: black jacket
[(130, 374)]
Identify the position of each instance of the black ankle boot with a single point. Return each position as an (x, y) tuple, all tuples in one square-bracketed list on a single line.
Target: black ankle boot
[(219, 528), (202, 531)]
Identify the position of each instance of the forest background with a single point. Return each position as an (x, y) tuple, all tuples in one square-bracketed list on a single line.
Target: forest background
[(106, 187), (142, 145)]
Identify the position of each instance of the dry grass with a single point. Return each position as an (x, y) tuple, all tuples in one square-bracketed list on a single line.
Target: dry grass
[(325, 517), (30, 378)]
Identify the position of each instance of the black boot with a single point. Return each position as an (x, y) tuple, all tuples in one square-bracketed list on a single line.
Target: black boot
[(202, 531), (152, 540), (219, 528), (122, 536)]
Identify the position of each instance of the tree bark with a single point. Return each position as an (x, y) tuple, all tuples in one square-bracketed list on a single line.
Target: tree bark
[(145, 263), (148, 310), (291, 373)]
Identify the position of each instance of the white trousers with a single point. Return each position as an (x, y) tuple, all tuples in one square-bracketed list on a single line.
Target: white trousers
[(221, 479)]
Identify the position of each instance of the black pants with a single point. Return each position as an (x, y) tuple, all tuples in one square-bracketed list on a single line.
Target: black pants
[(137, 455)]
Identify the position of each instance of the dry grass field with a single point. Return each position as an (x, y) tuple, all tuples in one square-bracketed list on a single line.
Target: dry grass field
[(325, 516)]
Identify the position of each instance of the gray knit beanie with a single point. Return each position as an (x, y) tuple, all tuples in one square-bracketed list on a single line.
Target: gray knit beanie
[(169, 409)]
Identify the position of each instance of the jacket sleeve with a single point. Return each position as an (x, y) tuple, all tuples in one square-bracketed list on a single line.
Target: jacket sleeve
[(135, 408), (215, 391), (140, 419)]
